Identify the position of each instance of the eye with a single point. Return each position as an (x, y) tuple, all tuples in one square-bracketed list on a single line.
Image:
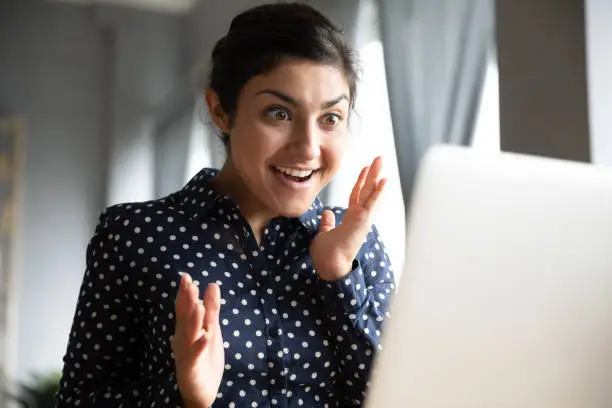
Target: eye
[(331, 120), (278, 113)]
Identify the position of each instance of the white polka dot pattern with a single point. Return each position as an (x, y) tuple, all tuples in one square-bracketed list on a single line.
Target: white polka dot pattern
[(291, 340)]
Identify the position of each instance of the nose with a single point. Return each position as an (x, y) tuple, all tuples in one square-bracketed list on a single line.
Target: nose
[(306, 141)]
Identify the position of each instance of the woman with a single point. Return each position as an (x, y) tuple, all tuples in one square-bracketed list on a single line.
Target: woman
[(294, 294)]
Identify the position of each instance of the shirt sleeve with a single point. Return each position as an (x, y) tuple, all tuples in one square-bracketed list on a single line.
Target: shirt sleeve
[(103, 361), (356, 307)]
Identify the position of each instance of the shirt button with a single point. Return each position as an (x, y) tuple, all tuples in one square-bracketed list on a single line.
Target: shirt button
[(274, 332)]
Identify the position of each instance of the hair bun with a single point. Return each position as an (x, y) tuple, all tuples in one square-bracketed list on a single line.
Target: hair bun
[(219, 47)]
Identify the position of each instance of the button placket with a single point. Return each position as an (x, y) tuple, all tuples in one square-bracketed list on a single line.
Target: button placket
[(260, 269), (275, 333)]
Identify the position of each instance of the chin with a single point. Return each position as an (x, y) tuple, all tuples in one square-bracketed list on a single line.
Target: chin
[(292, 210)]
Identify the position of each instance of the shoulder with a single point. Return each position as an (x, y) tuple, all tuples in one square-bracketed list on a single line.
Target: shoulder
[(131, 222), (189, 200), (124, 214), (124, 230)]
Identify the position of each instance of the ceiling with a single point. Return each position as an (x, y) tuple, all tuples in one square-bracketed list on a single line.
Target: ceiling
[(163, 6)]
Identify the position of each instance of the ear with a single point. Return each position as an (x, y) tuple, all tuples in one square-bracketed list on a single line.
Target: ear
[(216, 111)]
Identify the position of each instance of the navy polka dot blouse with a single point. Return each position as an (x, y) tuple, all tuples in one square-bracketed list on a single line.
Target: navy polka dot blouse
[(290, 339)]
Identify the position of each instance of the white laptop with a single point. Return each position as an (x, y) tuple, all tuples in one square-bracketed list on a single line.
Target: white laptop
[(506, 296)]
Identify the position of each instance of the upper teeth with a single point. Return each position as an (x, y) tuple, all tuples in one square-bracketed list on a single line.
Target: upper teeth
[(294, 172)]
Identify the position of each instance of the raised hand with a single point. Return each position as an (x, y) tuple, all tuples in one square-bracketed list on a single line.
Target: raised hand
[(197, 344), (333, 249)]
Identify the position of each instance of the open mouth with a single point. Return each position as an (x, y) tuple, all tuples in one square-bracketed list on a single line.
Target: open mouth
[(295, 175)]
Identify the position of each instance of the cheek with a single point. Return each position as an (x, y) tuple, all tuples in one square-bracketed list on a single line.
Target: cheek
[(335, 151), (253, 143)]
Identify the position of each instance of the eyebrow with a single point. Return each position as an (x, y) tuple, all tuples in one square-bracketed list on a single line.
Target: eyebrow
[(293, 102)]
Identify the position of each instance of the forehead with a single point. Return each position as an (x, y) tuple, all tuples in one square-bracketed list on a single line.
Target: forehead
[(307, 82)]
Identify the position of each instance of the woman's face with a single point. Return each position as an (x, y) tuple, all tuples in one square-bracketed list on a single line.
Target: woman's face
[(289, 132)]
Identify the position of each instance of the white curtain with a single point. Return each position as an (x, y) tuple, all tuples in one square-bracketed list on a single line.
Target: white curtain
[(372, 135), (172, 149), (436, 54), (205, 148), (132, 162), (487, 131)]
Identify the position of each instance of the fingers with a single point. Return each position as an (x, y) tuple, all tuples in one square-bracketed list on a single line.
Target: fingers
[(212, 304), (197, 321), (189, 310), (367, 183), (373, 199), (354, 198), (181, 305), (371, 181), (179, 300), (194, 323), (328, 221)]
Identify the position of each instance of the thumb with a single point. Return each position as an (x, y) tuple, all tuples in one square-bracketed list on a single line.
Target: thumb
[(328, 221)]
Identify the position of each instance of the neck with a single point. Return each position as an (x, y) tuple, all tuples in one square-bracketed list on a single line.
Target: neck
[(230, 183)]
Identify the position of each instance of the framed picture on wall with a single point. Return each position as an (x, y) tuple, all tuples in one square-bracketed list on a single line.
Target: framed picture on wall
[(11, 161)]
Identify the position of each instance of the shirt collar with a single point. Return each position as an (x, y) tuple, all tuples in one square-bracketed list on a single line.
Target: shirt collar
[(198, 197), (311, 218)]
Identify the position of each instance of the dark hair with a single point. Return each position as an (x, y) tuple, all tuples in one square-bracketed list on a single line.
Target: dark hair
[(263, 37)]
